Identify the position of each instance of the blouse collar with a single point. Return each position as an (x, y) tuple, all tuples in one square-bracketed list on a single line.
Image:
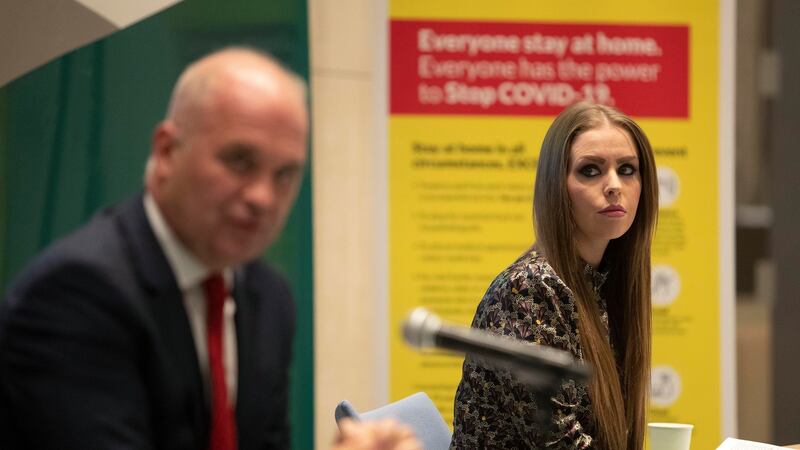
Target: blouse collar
[(596, 276)]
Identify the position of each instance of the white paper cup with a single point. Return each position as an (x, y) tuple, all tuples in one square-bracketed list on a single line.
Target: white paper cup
[(670, 436)]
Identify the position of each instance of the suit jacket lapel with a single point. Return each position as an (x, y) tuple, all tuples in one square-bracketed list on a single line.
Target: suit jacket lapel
[(165, 300), (244, 342)]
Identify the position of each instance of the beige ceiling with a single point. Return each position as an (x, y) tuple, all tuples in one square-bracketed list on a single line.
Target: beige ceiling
[(33, 32)]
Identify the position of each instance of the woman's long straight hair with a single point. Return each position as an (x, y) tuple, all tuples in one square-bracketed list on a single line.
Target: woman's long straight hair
[(620, 386)]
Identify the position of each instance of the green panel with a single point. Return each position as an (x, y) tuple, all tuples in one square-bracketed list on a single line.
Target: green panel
[(208, 14), (77, 133), (3, 184)]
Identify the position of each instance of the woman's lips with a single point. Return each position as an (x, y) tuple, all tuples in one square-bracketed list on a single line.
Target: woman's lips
[(613, 211)]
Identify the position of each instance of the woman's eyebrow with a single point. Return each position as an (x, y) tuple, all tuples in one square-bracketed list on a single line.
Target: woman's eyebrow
[(625, 159), (592, 158), (601, 160)]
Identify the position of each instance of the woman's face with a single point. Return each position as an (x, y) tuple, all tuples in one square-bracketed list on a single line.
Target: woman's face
[(604, 186)]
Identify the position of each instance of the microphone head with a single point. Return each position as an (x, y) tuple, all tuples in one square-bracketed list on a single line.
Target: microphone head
[(421, 327)]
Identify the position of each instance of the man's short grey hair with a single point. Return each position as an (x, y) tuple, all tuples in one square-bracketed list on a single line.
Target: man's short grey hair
[(192, 87)]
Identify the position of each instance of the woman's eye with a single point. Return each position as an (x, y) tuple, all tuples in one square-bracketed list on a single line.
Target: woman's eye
[(589, 170), (627, 169)]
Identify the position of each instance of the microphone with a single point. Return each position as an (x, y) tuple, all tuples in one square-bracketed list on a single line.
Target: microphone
[(535, 364)]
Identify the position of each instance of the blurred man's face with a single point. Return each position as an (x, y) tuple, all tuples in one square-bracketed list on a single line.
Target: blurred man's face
[(232, 174)]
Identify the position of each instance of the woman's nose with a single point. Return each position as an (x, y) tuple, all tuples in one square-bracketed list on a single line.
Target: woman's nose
[(613, 184)]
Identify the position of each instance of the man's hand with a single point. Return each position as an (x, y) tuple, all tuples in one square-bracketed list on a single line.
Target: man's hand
[(385, 434)]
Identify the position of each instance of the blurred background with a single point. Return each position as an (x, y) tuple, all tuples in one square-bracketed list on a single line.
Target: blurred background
[(74, 135)]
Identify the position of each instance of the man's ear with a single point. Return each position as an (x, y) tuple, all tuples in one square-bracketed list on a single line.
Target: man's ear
[(164, 144)]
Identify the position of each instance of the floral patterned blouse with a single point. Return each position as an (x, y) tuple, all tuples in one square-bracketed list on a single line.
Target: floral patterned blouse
[(493, 410)]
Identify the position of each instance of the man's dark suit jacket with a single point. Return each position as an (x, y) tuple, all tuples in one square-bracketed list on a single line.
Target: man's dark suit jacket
[(96, 350)]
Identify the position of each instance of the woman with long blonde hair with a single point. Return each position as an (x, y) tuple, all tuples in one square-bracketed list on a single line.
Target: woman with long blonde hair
[(584, 287)]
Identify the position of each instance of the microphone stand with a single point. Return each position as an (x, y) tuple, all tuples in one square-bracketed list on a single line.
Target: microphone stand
[(542, 369)]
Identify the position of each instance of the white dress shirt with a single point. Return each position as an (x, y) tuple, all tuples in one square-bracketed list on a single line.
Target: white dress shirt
[(190, 273)]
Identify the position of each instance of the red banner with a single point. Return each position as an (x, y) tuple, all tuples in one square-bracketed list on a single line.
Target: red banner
[(502, 68)]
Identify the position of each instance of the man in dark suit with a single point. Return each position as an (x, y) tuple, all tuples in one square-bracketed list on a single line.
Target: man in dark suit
[(154, 325)]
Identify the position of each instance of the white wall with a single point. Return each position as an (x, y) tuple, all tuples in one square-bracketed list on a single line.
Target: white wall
[(343, 49)]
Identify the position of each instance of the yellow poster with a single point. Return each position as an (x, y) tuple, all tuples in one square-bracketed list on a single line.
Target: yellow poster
[(473, 86)]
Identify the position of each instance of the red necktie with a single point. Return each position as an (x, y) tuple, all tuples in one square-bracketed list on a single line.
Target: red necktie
[(222, 435)]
